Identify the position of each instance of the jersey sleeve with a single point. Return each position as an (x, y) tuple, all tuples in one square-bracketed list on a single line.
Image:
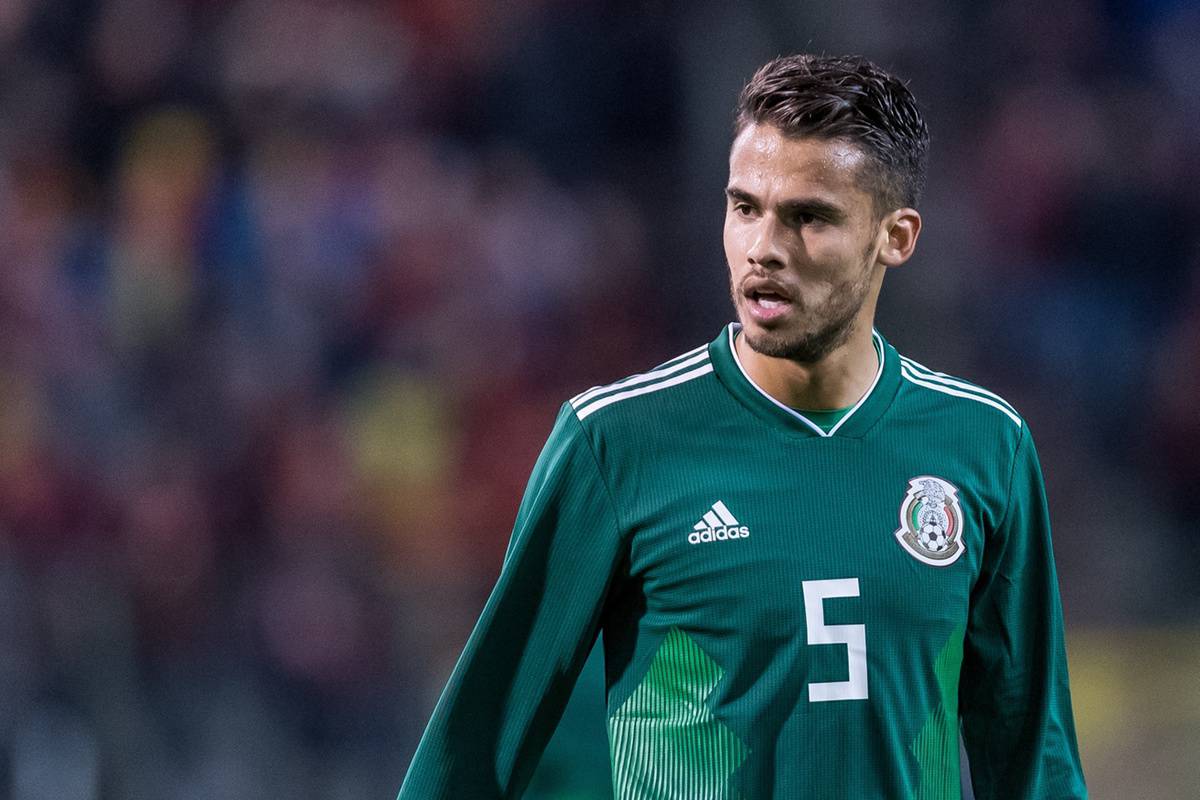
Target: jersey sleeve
[(1014, 698), (515, 675)]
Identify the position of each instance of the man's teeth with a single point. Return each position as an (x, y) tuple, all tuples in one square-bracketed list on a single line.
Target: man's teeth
[(770, 302)]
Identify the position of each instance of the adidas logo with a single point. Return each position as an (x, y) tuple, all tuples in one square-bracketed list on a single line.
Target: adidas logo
[(717, 525)]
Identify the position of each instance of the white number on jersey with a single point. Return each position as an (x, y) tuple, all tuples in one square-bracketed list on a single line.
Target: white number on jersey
[(853, 636)]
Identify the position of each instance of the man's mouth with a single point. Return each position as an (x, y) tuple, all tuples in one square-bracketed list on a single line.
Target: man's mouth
[(766, 304), (768, 299)]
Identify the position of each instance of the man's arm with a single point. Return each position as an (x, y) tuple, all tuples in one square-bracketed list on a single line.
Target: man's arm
[(1014, 697), (516, 673)]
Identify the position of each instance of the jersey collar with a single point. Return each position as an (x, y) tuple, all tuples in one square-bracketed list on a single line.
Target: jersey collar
[(861, 417)]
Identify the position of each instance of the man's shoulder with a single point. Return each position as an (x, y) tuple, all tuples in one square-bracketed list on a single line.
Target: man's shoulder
[(652, 392), (957, 398)]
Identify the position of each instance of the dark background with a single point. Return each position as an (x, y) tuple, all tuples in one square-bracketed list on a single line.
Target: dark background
[(291, 289)]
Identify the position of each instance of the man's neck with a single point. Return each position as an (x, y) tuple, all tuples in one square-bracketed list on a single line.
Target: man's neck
[(836, 381)]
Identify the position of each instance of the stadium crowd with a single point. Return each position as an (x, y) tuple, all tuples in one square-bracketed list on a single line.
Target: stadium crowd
[(290, 291)]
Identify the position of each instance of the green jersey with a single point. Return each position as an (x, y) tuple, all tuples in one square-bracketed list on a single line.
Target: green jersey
[(787, 610)]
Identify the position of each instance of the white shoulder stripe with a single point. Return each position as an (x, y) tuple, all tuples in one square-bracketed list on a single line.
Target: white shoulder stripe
[(670, 362), (947, 380), (669, 369), (616, 398), (912, 377)]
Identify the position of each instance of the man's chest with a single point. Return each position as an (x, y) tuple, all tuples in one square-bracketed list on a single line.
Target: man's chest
[(757, 535)]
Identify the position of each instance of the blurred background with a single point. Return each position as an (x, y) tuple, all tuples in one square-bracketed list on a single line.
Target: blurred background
[(290, 291)]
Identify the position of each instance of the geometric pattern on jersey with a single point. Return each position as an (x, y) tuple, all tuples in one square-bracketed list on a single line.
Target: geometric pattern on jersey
[(665, 742), (936, 745)]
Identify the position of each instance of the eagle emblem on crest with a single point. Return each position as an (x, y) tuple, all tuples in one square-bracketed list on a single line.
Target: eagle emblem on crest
[(931, 521)]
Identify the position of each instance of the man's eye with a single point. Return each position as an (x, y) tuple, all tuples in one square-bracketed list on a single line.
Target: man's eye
[(805, 218), (742, 209)]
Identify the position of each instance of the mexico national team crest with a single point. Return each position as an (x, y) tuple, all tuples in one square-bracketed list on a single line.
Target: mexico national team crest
[(931, 521)]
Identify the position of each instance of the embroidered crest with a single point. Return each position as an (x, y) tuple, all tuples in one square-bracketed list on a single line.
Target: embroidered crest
[(931, 521)]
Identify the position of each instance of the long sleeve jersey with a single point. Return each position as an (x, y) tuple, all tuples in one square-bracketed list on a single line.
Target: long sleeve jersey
[(787, 610)]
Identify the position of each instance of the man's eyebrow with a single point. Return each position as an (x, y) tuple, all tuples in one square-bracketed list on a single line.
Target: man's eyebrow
[(812, 205), (801, 205), (741, 196)]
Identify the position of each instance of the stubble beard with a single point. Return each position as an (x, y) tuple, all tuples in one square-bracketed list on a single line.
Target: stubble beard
[(838, 312)]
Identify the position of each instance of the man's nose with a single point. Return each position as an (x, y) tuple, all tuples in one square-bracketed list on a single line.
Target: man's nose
[(766, 249)]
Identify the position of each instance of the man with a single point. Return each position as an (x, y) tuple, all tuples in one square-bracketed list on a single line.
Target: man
[(812, 559)]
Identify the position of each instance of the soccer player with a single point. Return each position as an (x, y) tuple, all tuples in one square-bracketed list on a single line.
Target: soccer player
[(813, 560)]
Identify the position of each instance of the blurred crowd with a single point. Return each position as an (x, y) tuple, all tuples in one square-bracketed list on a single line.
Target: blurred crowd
[(290, 291)]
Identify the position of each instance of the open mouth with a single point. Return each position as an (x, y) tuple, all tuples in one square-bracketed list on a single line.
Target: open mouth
[(766, 304), (769, 299)]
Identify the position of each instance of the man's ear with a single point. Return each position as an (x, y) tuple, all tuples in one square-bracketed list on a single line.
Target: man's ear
[(900, 229)]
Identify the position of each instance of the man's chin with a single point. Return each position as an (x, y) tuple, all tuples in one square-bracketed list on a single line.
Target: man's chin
[(777, 342)]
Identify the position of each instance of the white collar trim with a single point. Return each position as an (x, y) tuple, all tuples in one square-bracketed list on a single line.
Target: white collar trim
[(817, 429)]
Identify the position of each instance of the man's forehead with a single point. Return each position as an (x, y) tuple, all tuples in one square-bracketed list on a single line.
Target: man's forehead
[(764, 153)]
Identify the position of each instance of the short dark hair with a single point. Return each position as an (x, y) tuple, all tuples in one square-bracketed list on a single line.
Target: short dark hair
[(850, 98)]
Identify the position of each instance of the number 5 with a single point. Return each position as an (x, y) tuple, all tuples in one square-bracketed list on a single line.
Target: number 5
[(853, 636)]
